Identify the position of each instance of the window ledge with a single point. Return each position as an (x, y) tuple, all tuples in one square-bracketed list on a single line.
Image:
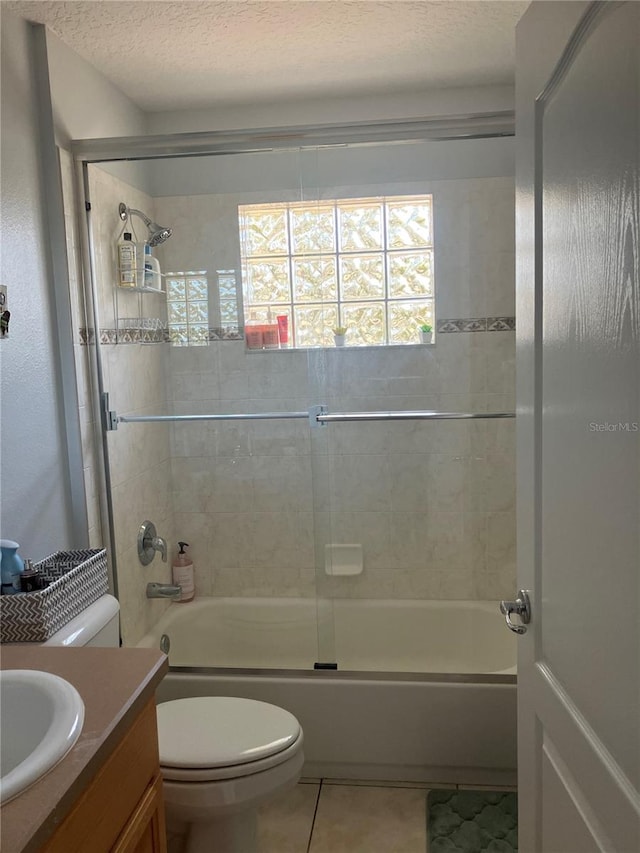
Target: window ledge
[(343, 349)]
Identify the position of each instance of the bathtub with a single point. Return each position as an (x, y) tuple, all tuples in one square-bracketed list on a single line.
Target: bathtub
[(425, 691)]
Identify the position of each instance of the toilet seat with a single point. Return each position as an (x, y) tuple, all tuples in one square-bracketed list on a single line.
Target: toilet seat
[(212, 738), (234, 771)]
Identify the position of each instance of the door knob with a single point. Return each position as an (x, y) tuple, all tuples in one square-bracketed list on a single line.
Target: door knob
[(522, 607)]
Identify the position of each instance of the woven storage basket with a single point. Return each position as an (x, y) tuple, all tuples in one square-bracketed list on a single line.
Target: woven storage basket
[(80, 577)]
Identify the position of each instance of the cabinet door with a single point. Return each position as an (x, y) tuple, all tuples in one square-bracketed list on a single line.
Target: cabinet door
[(145, 831), (96, 821)]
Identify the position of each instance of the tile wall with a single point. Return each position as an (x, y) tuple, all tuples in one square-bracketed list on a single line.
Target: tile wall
[(135, 375), (433, 504)]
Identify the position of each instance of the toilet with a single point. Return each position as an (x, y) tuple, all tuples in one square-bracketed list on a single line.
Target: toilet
[(221, 758), (96, 625)]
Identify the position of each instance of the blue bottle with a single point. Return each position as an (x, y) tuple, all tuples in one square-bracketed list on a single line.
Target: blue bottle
[(10, 564)]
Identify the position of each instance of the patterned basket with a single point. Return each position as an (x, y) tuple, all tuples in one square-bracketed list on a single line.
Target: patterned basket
[(78, 579)]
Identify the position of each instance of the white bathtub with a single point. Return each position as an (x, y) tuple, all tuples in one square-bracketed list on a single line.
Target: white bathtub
[(425, 691), (370, 635)]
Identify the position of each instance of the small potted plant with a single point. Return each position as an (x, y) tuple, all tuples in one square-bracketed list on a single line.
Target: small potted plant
[(426, 333), (339, 335)]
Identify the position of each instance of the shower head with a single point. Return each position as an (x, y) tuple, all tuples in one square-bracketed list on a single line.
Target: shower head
[(157, 234)]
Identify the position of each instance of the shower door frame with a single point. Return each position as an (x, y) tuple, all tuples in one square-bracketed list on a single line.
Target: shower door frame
[(87, 152)]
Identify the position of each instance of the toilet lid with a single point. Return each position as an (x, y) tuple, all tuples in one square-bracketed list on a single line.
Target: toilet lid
[(219, 731)]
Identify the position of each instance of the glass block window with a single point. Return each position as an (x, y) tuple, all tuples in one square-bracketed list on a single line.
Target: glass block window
[(365, 264), (188, 308), (228, 300)]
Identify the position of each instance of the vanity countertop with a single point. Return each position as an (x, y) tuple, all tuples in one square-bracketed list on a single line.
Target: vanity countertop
[(115, 685)]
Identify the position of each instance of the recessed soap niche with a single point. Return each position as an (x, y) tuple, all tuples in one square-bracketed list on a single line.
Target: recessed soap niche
[(343, 559)]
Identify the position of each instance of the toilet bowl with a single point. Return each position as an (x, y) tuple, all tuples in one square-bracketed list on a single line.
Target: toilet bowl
[(221, 758)]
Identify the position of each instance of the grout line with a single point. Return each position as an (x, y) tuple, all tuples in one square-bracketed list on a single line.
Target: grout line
[(315, 812)]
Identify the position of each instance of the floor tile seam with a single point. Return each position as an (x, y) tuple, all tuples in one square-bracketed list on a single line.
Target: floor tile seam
[(313, 820), (391, 785)]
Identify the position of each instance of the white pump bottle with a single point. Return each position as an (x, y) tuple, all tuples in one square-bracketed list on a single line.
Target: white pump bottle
[(183, 573)]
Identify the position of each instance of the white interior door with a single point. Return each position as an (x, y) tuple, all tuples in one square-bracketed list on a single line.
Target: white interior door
[(578, 243)]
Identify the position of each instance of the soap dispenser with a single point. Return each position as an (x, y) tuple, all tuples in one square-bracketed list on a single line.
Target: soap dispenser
[(10, 564), (183, 573)]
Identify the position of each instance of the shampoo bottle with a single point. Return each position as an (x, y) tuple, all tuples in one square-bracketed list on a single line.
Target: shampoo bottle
[(183, 574), (127, 261), (152, 275)]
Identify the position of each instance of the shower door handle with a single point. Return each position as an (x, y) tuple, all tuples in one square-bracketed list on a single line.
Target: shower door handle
[(521, 607)]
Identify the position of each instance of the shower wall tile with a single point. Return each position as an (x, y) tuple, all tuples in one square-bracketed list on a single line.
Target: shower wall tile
[(234, 385), (282, 483), (360, 438), (138, 614), (189, 387), (431, 503), (144, 496), (372, 529), (137, 448), (293, 583), (233, 439), (198, 529), (211, 485), (501, 540), (281, 540), (279, 438), (408, 540), (360, 483), (136, 378)]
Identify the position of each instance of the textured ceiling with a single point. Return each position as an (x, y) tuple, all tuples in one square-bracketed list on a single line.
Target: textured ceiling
[(171, 55)]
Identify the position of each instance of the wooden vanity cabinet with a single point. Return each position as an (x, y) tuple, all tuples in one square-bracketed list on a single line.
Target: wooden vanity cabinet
[(122, 810)]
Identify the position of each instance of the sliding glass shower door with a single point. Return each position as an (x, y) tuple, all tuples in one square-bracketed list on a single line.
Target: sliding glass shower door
[(281, 408)]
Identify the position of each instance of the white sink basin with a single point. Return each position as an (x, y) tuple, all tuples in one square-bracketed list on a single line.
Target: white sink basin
[(41, 717)]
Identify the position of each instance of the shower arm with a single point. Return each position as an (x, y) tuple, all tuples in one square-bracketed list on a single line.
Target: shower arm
[(125, 212), (157, 234)]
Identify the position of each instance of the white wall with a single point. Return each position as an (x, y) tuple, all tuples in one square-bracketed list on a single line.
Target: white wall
[(35, 504), (88, 106), (85, 104), (34, 498), (454, 101)]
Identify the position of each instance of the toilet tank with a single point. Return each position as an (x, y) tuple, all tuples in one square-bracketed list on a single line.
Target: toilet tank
[(97, 625)]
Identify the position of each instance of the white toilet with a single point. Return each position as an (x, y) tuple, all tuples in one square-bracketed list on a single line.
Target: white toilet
[(96, 625), (221, 758)]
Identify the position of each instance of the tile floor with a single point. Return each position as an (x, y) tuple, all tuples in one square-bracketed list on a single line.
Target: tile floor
[(333, 816)]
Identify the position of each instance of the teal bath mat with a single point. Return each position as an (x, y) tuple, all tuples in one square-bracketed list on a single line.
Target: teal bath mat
[(472, 822)]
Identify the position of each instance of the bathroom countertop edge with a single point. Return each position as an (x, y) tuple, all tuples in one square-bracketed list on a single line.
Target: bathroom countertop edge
[(115, 685)]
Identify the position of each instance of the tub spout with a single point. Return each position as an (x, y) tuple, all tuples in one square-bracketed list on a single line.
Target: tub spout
[(163, 590)]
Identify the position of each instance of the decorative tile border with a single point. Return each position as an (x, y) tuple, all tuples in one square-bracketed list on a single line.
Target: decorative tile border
[(501, 324), (222, 334), (162, 336), (151, 336), (477, 324)]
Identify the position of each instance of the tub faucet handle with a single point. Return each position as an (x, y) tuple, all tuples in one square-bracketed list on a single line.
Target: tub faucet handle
[(149, 542), (160, 544)]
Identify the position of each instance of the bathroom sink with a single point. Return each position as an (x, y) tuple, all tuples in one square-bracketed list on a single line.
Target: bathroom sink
[(41, 717)]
